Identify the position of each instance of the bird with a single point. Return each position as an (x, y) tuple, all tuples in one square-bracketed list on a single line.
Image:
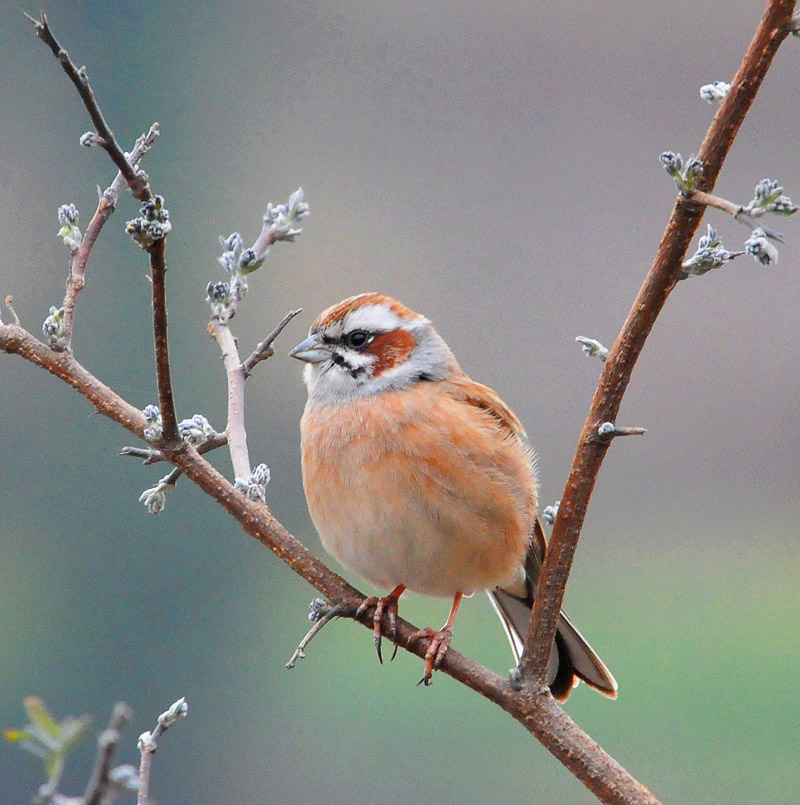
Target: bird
[(419, 478)]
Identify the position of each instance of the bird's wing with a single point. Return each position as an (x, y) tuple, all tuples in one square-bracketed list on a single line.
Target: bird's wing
[(465, 388)]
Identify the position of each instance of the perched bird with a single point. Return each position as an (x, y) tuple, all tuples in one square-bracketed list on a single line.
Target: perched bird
[(419, 478)]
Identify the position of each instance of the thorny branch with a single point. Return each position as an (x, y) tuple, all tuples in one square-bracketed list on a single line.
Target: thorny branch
[(531, 703), (665, 272)]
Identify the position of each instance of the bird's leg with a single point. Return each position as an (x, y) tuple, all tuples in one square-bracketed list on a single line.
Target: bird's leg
[(387, 605), (440, 642)]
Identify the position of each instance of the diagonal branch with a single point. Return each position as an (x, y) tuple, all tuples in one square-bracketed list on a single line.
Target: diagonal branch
[(17, 341), (136, 180), (664, 274), (148, 743), (534, 708), (265, 349)]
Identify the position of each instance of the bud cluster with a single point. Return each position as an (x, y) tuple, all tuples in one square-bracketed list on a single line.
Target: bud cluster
[(153, 224)]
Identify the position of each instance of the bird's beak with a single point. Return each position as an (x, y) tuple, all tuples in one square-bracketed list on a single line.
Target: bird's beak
[(312, 350)]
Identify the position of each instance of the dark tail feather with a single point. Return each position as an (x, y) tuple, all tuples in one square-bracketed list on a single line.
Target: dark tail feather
[(573, 658)]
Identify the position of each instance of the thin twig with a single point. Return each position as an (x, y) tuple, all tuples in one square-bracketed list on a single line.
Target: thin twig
[(736, 210), (136, 180), (158, 267), (171, 478), (148, 743), (661, 279), (264, 350), (607, 431), (148, 455), (10, 306), (105, 207), (235, 430), (299, 652), (151, 456), (107, 745)]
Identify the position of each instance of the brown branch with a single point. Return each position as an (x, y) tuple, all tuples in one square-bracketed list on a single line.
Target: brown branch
[(158, 267), (105, 206), (264, 350), (18, 341), (533, 707), (171, 478), (736, 210), (710, 200), (136, 180), (664, 274)]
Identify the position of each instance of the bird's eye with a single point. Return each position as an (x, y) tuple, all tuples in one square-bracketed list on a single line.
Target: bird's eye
[(357, 339)]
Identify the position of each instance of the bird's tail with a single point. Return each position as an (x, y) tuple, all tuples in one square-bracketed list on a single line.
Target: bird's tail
[(572, 659)]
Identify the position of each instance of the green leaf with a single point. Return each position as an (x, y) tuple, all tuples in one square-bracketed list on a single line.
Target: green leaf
[(39, 716)]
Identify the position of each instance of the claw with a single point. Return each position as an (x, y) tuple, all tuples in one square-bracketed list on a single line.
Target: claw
[(388, 606), (440, 642)]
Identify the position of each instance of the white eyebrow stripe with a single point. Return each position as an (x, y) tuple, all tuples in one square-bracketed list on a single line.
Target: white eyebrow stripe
[(376, 318)]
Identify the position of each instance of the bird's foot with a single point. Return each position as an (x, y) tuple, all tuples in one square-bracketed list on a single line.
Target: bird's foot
[(386, 606), (440, 642)]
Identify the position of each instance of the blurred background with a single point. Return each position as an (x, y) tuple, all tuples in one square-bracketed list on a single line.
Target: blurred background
[(495, 166)]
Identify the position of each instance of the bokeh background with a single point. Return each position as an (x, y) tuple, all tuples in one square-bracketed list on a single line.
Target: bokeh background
[(496, 167)]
